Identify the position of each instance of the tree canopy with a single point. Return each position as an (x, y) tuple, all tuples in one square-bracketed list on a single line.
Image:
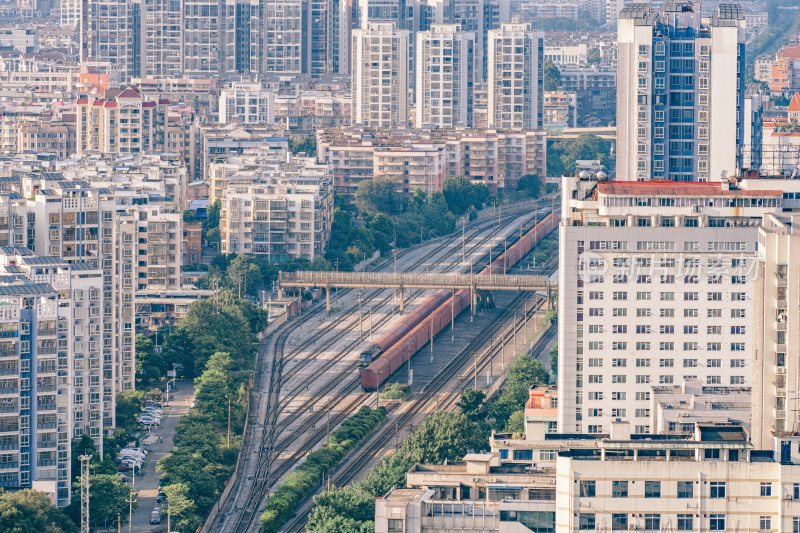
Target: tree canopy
[(561, 155), (462, 193), (28, 510), (552, 76)]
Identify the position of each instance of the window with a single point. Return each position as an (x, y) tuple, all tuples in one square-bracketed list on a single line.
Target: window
[(796, 522), (685, 489), (652, 522), (766, 490), (716, 522), (764, 523), (588, 489), (717, 489), (586, 521), (685, 522), (523, 455), (619, 489), (619, 521), (395, 526), (652, 489)]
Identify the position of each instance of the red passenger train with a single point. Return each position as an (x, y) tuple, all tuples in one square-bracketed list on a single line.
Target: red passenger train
[(396, 347)]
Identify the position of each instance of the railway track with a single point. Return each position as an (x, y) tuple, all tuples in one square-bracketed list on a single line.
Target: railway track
[(453, 379), (265, 475), (445, 381)]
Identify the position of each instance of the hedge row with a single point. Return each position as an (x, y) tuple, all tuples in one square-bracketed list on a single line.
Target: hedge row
[(302, 483)]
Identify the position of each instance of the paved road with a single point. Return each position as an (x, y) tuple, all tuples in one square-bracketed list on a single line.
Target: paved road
[(147, 481)]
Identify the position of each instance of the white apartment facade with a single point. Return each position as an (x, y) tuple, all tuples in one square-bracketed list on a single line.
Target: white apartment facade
[(246, 102), (709, 479), (279, 219), (381, 74), (776, 356), (655, 286), (515, 84), (445, 77)]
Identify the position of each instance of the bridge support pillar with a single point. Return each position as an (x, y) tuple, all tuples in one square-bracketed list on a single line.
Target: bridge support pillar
[(473, 302), (280, 292), (328, 300)]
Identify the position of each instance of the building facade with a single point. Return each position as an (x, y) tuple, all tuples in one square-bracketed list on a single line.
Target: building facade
[(445, 77), (515, 86), (655, 287), (381, 74), (680, 98)]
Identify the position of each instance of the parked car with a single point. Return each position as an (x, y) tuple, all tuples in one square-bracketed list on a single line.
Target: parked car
[(155, 515)]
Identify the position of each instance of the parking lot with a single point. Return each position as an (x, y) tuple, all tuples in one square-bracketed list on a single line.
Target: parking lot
[(146, 483)]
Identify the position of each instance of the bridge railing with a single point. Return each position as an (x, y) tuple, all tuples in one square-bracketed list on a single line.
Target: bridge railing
[(412, 279)]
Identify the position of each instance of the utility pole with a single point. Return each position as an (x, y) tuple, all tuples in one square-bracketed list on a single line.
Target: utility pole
[(229, 426), (370, 322), (475, 381), (452, 315), (130, 511), (85, 492), (360, 322), (463, 242), (431, 319)]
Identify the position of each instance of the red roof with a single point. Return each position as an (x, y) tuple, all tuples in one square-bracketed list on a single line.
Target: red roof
[(111, 104), (163, 101), (675, 188), (794, 105), (148, 104), (82, 101), (98, 103), (129, 93)]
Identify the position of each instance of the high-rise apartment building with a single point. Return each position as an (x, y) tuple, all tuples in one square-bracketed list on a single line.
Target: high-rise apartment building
[(209, 37), (161, 37), (475, 16), (52, 380), (680, 96), (655, 287), (445, 77), (109, 33), (515, 87), (380, 68)]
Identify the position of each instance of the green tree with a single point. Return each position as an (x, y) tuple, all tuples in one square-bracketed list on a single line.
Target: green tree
[(27, 511), (552, 76), (150, 365), (129, 405), (307, 145), (211, 224), (243, 276), (471, 403), (523, 373), (561, 155), (181, 508), (356, 505), (462, 193), (516, 422), (530, 185), (554, 360), (594, 56), (378, 196), (108, 500)]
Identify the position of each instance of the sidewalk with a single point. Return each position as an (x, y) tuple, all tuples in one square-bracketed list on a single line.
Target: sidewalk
[(147, 481)]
